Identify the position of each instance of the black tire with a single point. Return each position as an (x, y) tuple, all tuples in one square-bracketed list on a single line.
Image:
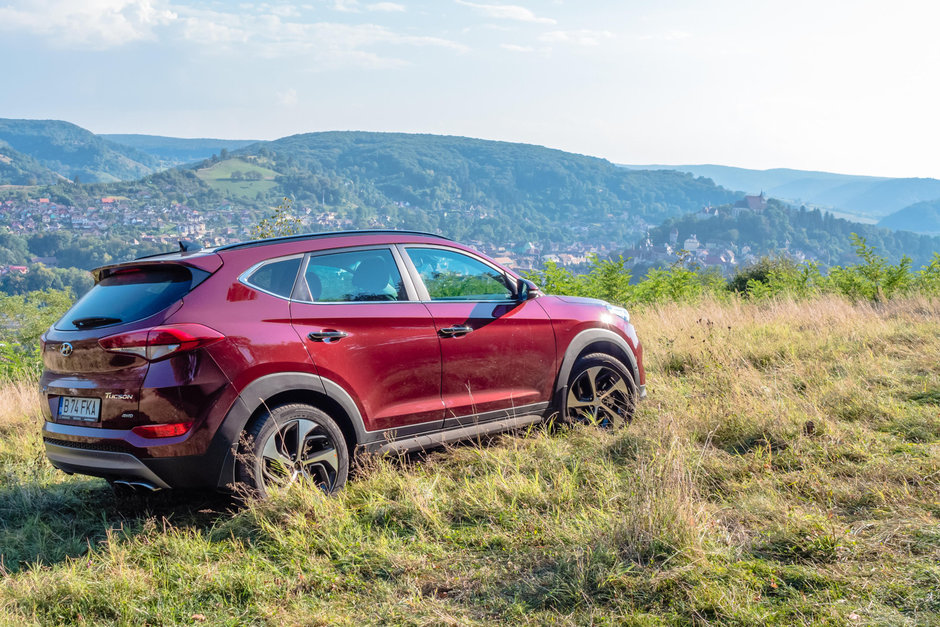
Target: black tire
[(600, 391), (291, 443)]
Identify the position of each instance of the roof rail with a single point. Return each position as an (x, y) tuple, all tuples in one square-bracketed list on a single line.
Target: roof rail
[(306, 236)]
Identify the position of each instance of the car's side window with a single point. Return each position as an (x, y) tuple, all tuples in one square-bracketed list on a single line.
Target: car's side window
[(276, 277), (352, 276), (450, 275)]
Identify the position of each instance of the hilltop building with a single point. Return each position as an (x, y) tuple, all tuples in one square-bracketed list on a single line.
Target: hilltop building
[(753, 203)]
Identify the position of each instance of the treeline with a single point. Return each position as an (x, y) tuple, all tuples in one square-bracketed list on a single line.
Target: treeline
[(872, 277)]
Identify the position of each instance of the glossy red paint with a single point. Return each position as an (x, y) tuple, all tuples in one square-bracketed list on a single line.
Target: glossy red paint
[(395, 369), (507, 361), (390, 358)]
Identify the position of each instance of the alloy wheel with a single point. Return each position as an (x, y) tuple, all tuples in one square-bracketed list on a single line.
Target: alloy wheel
[(300, 450), (601, 396)]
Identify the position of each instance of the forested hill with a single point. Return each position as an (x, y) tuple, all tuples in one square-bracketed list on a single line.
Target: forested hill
[(868, 198), (19, 169), (73, 152), (476, 188), (921, 217), (779, 229)]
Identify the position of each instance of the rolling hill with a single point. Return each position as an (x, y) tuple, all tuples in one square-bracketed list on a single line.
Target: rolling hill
[(74, 152), (921, 217), (863, 198), (173, 151), (780, 229), (19, 169), (475, 188)]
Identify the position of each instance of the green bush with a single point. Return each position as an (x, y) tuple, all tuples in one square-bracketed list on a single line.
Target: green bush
[(23, 318), (872, 279)]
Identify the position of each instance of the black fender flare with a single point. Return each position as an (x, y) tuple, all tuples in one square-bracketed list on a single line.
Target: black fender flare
[(607, 342), (256, 393)]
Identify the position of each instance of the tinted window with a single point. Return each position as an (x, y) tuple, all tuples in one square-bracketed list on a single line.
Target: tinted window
[(360, 275), (276, 277), (128, 295), (449, 275)]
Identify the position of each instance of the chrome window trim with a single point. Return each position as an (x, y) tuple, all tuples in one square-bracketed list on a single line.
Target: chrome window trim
[(410, 293), (425, 296), (243, 277)]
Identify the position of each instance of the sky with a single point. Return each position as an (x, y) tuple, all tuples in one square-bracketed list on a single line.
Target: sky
[(845, 86)]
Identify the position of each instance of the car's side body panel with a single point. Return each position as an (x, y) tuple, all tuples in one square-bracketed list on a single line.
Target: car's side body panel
[(390, 358)]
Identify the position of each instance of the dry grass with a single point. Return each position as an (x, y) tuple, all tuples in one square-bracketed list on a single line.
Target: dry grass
[(785, 469)]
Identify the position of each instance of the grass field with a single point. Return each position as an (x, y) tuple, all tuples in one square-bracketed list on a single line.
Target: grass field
[(784, 470), (219, 177)]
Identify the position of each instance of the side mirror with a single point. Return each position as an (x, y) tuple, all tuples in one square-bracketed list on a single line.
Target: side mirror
[(527, 290)]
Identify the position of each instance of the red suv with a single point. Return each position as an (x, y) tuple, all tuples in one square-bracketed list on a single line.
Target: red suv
[(271, 361)]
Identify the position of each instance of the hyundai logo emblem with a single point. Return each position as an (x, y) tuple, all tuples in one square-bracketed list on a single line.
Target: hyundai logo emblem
[(66, 349)]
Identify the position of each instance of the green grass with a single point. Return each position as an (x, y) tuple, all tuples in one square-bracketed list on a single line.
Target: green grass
[(219, 177), (785, 470)]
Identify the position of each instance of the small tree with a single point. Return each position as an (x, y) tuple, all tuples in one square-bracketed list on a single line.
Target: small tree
[(280, 223), (874, 279)]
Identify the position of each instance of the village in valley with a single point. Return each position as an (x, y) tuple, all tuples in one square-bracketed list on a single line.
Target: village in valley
[(163, 225)]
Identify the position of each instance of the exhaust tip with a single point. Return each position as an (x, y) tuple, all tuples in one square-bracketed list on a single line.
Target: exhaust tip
[(135, 485)]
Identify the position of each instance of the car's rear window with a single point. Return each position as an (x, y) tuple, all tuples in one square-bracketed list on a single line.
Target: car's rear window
[(129, 295)]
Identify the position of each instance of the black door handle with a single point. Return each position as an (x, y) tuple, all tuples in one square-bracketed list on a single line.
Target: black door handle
[(327, 336), (456, 330)]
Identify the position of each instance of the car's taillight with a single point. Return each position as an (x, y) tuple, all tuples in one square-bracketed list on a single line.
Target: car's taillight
[(162, 431), (160, 342)]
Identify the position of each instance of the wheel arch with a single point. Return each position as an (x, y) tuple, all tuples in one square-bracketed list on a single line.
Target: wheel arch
[(277, 389), (592, 341)]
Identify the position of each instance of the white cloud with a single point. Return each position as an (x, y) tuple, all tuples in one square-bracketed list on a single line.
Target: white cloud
[(346, 6), (387, 7), (96, 24), (582, 37), (517, 48), (267, 31), (507, 12), (318, 46)]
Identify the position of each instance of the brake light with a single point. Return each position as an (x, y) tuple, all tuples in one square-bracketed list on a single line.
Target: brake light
[(161, 342), (162, 431)]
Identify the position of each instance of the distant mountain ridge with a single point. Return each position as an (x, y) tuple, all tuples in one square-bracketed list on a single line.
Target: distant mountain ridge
[(868, 197), (922, 217), (173, 151)]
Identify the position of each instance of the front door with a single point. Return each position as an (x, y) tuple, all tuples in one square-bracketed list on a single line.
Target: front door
[(365, 332), (498, 354)]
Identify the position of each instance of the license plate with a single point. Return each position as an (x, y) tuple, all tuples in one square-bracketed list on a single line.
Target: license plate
[(78, 408)]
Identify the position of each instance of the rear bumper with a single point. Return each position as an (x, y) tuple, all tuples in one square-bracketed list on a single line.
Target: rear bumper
[(106, 464)]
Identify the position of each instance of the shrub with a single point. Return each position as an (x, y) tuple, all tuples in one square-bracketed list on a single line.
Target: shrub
[(22, 320), (873, 279)]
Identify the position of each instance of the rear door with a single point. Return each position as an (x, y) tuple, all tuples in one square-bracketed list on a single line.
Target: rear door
[(498, 354), (365, 330)]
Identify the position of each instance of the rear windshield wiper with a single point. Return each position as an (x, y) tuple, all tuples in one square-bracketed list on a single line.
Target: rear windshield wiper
[(94, 321)]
